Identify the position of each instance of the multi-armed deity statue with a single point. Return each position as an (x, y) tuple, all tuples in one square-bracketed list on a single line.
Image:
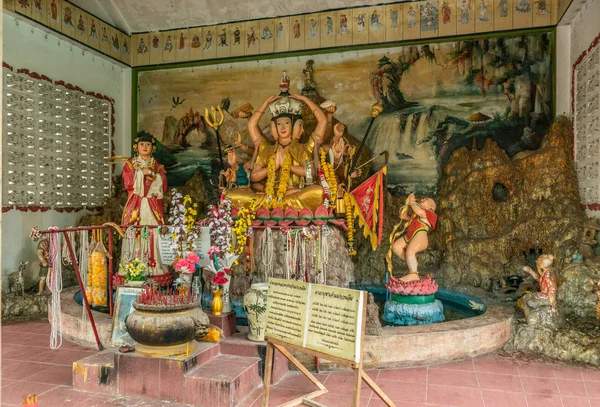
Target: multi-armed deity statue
[(283, 173)]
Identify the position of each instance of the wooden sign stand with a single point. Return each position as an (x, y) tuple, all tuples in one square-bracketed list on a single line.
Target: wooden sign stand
[(359, 374)]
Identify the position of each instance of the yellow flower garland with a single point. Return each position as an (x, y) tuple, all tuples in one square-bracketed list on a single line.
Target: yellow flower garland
[(329, 177), (240, 229), (350, 223), (283, 181)]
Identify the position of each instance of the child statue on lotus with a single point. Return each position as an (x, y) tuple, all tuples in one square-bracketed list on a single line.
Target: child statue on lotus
[(412, 298), (420, 219)]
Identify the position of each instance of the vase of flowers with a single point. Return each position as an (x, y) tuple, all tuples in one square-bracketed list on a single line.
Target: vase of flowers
[(186, 267), (135, 272), (222, 269)]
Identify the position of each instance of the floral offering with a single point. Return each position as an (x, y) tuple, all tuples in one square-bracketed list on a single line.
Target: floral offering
[(137, 270)]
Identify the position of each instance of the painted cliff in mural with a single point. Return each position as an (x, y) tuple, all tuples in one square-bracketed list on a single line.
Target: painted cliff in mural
[(435, 98)]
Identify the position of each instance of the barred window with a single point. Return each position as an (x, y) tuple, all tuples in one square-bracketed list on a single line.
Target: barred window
[(57, 141)]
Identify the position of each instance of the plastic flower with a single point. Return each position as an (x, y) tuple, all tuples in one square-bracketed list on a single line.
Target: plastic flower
[(213, 250), (193, 258), (184, 266)]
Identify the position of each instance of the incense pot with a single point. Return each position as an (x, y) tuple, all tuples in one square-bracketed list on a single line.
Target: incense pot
[(163, 330)]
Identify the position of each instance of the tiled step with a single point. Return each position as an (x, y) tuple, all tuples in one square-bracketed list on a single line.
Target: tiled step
[(240, 346), (96, 373), (159, 378), (224, 381)]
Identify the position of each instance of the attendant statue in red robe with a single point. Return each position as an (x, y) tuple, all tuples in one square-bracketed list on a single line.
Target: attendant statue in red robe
[(146, 183)]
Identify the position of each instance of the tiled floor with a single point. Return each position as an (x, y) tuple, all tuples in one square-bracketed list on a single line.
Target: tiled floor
[(30, 366)]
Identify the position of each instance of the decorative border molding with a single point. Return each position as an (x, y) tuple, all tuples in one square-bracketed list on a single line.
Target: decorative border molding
[(414, 20)]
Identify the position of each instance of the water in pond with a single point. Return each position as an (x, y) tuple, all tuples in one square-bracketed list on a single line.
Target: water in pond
[(456, 305)]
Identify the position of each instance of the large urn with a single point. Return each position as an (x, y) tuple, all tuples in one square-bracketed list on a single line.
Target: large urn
[(255, 305), (163, 330)]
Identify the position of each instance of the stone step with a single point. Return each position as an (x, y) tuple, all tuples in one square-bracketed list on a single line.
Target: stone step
[(237, 344), (96, 373), (224, 381), (160, 378)]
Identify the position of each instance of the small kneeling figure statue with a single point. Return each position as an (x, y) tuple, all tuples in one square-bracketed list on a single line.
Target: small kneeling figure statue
[(540, 307)]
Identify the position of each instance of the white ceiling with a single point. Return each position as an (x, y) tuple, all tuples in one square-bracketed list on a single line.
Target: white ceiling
[(153, 15)]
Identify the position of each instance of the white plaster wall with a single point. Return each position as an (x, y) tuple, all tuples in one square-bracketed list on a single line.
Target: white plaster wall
[(571, 40), (26, 46)]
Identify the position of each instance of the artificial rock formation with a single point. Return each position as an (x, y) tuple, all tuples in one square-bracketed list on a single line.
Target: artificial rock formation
[(496, 213)]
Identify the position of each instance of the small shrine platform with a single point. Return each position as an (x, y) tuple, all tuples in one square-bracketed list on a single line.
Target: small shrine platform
[(216, 375)]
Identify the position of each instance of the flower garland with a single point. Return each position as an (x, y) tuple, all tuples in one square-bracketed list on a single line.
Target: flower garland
[(242, 229), (328, 180), (183, 217), (220, 225), (350, 224), (283, 181)]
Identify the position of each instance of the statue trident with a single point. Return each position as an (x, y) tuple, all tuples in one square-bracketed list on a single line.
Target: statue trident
[(215, 120)]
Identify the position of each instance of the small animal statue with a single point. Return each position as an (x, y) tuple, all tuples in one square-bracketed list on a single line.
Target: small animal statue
[(15, 279)]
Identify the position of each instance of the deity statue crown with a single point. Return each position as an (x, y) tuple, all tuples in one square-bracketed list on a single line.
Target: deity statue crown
[(286, 107)]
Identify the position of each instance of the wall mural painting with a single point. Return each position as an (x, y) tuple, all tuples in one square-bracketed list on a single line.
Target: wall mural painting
[(436, 98)]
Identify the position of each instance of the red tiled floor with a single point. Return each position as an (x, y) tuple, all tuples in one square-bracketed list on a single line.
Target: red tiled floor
[(463, 365), (493, 381), (453, 378), (543, 400), (494, 398), (489, 381), (575, 401), (416, 375), (338, 383), (454, 396), (496, 365), (537, 370), (569, 373), (540, 385), (14, 393), (337, 400), (22, 370), (413, 392), (59, 375), (591, 375), (593, 389), (571, 387)]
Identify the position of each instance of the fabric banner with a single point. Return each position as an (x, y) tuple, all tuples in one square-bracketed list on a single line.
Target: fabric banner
[(368, 206)]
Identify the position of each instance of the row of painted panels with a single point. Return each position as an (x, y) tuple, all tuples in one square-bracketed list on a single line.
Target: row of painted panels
[(365, 25), (72, 21)]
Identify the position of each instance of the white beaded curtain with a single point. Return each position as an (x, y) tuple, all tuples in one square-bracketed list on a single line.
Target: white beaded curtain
[(56, 144)]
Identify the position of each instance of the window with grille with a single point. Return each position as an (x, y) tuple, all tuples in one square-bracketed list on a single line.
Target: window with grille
[(57, 141)]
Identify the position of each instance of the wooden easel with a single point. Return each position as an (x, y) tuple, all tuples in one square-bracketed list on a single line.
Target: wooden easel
[(357, 367)]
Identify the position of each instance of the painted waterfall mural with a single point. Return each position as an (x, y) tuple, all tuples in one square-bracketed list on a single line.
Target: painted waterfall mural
[(436, 97)]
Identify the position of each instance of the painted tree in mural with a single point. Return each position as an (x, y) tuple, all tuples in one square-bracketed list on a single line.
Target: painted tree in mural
[(385, 84)]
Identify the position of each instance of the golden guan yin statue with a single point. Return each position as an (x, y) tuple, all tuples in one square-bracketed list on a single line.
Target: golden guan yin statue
[(286, 168)]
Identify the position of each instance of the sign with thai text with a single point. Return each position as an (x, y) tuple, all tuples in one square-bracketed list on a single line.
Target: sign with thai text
[(318, 317)]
